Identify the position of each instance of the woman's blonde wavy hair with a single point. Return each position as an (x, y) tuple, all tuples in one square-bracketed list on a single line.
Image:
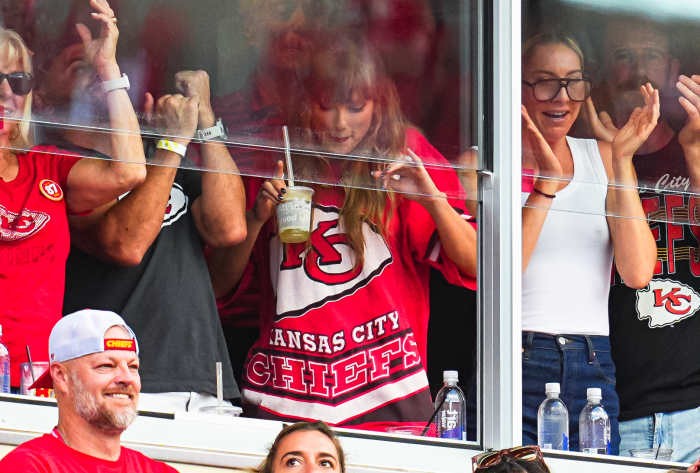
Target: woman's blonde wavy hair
[(15, 50), (344, 64)]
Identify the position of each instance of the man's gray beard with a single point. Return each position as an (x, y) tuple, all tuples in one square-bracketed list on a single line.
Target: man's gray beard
[(86, 406)]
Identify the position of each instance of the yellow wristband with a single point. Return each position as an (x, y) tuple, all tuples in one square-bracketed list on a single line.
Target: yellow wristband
[(172, 146)]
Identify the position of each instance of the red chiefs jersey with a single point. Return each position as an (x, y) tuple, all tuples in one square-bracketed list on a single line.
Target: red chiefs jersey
[(342, 344), (34, 245), (49, 454)]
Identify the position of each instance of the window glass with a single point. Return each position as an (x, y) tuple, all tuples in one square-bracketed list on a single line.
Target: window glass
[(597, 144), (357, 117)]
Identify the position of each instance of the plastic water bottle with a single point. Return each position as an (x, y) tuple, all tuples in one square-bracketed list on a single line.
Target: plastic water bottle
[(553, 420), (4, 367), (451, 417), (594, 425)]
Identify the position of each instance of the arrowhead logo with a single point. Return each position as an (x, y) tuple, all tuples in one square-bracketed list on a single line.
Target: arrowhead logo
[(665, 302), (14, 226)]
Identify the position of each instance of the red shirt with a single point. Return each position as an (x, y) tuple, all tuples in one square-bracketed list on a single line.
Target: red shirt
[(34, 245), (347, 345), (49, 454)]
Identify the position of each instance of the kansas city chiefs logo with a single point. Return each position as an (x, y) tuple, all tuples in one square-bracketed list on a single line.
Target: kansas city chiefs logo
[(310, 278), (14, 226), (665, 302), (177, 205)]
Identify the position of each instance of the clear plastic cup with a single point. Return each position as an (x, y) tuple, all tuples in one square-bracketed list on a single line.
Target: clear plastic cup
[(221, 410), (27, 380), (658, 453), (294, 215)]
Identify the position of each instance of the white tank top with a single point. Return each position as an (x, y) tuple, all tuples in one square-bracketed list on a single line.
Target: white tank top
[(566, 284)]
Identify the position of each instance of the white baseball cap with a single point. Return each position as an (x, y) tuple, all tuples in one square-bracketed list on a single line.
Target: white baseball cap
[(83, 333)]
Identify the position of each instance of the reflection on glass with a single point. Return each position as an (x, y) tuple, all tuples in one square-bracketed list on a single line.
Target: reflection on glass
[(378, 131), (624, 52), (340, 341)]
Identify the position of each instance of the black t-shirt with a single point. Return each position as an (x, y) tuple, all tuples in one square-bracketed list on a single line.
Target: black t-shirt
[(654, 331), (167, 300)]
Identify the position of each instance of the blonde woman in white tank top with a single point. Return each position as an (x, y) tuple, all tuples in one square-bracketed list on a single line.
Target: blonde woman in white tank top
[(568, 243)]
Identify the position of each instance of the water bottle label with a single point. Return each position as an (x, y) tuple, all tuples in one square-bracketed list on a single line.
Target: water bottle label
[(450, 425), (607, 448), (564, 442), (5, 381)]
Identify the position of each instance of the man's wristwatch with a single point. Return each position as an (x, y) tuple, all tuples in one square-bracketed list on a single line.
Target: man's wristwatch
[(114, 84), (216, 131)]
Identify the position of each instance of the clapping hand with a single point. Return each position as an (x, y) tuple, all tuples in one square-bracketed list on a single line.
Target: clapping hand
[(101, 51), (601, 124), (639, 126), (537, 151), (689, 136)]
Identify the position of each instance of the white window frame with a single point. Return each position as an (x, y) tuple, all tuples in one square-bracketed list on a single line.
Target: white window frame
[(242, 443)]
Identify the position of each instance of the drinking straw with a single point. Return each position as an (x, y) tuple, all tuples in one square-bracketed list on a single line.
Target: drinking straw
[(219, 384), (31, 366), (288, 156)]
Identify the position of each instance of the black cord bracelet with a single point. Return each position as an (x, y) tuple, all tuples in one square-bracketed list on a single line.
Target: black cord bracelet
[(537, 191)]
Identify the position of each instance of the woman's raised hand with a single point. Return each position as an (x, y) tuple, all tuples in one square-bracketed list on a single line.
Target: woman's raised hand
[(601, 124), (101, 52), (639, 126), (537, 151), (410, 178), (689, 136), (271, 193)]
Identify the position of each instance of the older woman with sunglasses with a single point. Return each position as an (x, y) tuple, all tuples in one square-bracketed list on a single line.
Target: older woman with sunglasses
[(41, 185), (568, 242)]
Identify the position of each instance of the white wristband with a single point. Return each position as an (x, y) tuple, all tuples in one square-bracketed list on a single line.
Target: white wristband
[(114, 84), (172, 146)]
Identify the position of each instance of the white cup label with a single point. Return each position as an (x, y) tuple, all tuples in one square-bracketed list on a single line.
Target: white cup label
[(294, 214)]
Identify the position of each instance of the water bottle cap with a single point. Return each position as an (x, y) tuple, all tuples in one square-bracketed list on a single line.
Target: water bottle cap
[(552, 388), (450, 376), (594, 394)]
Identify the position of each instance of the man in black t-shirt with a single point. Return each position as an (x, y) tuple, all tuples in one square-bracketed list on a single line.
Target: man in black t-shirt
[(142, 256), (653, 331)]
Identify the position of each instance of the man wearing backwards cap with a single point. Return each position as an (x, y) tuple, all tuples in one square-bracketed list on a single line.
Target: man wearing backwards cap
[(94, 371)]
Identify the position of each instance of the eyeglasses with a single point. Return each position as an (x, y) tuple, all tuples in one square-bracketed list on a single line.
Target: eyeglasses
[(21, 83), (282, 10), (529, 453), (545, 90)]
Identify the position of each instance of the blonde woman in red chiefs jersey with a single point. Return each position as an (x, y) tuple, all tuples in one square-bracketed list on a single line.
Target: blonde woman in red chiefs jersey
[(41, 185), (344, 317)]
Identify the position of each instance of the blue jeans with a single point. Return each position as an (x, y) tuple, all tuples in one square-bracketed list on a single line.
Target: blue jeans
[(576, 362), (678, 430)]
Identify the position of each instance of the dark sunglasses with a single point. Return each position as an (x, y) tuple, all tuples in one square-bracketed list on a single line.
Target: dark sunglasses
[(545, 90), (21, 83), (528, 453)]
